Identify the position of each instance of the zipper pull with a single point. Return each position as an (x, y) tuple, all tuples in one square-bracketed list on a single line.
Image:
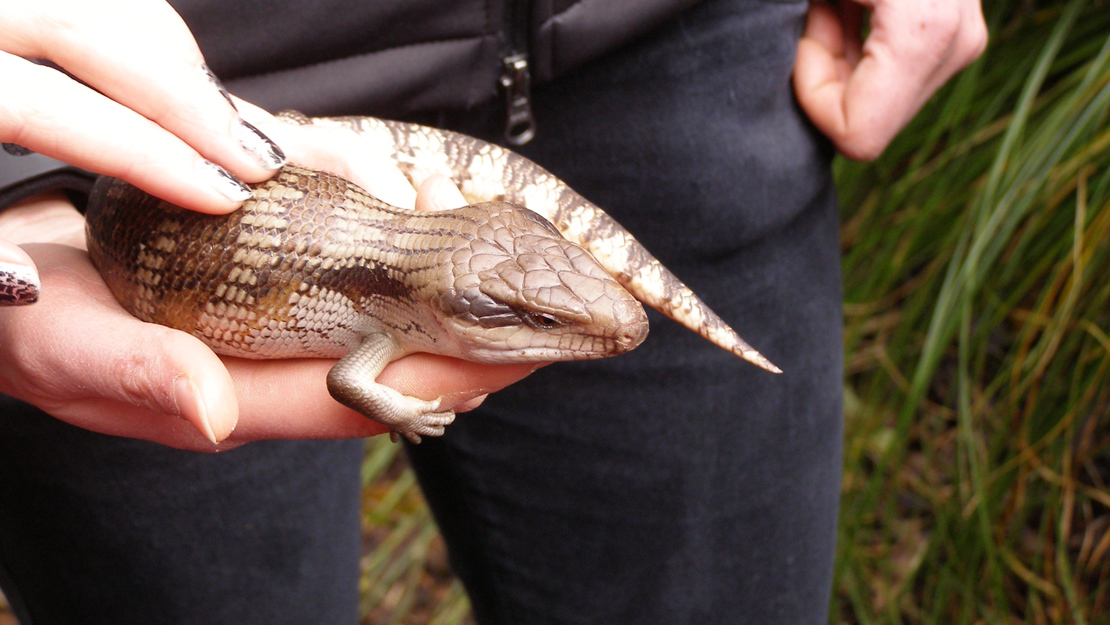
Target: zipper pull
[(516, 79)]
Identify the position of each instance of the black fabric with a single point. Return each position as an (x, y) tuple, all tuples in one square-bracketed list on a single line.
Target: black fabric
[(97, 529), (564, 35), (676, 484), (400, 57), (32, 174), (74, 182)]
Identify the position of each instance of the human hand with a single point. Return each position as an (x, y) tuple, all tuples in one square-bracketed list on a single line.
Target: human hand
[(861, 93), (79, 356), (154, 115)]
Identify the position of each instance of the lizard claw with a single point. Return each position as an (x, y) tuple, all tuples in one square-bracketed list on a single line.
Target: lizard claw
[(427, 424), (351, 383)]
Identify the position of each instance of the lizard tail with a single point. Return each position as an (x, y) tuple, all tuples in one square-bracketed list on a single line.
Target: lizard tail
[(646, 278), (485, 171)]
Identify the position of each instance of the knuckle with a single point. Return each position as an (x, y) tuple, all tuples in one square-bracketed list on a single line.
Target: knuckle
[(62, 34), (861, 146), (942, 22), (30, 114), (951, 30), (977, 38), (13, 127), (145, 373)]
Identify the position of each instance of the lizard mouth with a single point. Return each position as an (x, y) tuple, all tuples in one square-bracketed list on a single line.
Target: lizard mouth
[(563, 346)]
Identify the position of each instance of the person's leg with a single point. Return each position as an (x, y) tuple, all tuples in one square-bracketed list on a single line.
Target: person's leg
[(676, 484), (97, 529)]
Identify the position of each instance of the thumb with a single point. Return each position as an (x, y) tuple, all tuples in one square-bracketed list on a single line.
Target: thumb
[(439, 193), (82, 358), (142, 373)]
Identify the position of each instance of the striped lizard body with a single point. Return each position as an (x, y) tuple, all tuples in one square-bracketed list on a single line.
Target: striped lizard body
[(313, 266)]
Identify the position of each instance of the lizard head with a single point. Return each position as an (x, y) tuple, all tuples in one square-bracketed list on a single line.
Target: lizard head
[(523, 293)]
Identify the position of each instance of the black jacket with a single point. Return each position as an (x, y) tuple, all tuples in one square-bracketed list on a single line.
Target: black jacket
[(394, 57)]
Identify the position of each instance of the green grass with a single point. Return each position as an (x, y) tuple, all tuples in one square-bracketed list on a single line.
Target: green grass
[(977, 282), (977, 444), (405, 577)]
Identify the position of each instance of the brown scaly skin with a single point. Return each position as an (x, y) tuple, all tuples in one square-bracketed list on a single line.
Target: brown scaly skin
[(315, 266), (312, 266)]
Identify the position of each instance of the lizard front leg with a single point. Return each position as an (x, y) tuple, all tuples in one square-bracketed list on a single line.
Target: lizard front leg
[(352, 382)]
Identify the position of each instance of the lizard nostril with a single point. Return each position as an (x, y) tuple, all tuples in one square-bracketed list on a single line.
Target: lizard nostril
[(631, 335)]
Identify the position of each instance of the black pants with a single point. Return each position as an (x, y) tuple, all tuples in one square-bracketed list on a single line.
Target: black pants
[(676, 484)]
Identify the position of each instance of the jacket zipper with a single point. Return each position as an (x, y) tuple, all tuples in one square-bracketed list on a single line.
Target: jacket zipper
[(516, 77)]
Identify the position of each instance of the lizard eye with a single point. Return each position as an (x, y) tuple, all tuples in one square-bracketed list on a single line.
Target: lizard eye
[(541, 320)]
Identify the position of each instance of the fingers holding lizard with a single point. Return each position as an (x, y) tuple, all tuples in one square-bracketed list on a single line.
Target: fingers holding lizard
[(135, 100)]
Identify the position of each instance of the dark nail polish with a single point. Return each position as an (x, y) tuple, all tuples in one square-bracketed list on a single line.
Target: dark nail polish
[(16, 150), (217, 84), (228, 185), (265, 152), (19, 285)]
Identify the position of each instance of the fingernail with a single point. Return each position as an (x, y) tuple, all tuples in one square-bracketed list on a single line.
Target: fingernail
[(265, 152), (217, 84), (16, 150), (190, 406), (228, 185), (471, 403), (19, 285)]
